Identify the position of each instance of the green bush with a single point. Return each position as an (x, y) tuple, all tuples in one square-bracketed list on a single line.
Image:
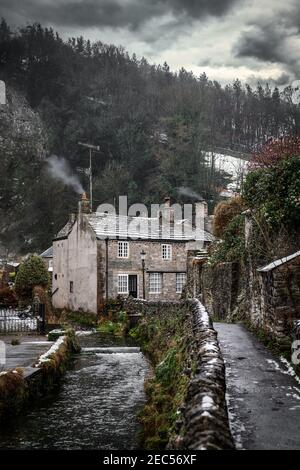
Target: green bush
[(32, 272), (232, 247), (275, 191), (80, 318)]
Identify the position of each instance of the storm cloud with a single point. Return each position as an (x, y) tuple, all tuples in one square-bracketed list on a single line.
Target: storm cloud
[(277, 42), (112, 13), (226, 39)]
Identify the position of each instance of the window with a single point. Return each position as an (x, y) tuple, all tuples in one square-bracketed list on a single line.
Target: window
[(50, 263), (123, 249), (155, 283), (123, 284), (71, 287), (166, 251), (180, 282)]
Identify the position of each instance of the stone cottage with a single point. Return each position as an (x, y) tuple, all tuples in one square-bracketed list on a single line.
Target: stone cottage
[(97, 256)]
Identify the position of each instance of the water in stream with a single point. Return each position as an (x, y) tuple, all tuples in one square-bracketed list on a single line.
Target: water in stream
[(95, 407)]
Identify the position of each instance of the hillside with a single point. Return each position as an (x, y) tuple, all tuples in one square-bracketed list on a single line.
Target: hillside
[(154, 128)]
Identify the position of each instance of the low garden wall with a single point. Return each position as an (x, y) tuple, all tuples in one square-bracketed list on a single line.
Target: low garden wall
[(21, 387), (186, 407)]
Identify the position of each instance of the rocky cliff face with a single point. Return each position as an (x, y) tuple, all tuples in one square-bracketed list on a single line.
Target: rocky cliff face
[(22, 147), (20, 125)]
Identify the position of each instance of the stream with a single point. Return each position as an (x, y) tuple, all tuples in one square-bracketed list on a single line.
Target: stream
[(95, 406)]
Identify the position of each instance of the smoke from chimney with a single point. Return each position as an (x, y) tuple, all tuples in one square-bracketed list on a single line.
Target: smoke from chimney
[(188, 192), (60, 169)]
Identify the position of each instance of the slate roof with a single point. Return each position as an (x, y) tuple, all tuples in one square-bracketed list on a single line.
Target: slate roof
[(278, 262), (115, 226), (47, 253), (64, 232)]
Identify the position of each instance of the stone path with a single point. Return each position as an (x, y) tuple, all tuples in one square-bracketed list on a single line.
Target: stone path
[(24, 354), (263, 396)]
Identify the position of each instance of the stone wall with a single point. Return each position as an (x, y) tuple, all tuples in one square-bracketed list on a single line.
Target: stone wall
[(203, 421), (268, 300), (206, 424), (280, 299), (21, 388), (153, 263), (219, 288)]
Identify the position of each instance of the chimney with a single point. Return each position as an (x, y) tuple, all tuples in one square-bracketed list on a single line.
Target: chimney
[(166, 218), (200, 214), (167, 201), (84, 204)]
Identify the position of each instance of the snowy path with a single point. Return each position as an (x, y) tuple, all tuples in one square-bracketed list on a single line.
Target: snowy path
[(26, 353), (263, 397)]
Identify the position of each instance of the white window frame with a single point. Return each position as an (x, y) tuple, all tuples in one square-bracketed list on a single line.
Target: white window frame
[(155, 283), (166, 252), (123, 249), (181, 283), (121, 288)]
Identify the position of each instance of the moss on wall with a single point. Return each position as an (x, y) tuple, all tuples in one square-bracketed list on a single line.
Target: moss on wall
[(165, 338)]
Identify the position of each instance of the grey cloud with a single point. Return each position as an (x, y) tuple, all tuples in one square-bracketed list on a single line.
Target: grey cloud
[(260, 43), (111, 13), (283, 80), (271, 43)]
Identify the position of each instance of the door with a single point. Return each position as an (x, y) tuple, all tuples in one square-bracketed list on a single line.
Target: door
[(132, 279)]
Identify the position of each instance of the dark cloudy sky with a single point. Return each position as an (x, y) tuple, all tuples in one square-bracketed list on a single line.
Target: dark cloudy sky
[(248, 39)]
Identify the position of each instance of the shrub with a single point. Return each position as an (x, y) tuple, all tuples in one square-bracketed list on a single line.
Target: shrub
[(275, 151), (8, 298), (275, 191), (32, 272), (225, 211), (15, 342), (112, 307), (232, 247)]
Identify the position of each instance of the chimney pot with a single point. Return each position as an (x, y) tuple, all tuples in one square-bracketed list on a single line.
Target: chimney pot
[(84, 204), (167, 201)]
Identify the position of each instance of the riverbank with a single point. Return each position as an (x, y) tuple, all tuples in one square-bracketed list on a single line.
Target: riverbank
[(186, 396), (96, 404), (20, 387)]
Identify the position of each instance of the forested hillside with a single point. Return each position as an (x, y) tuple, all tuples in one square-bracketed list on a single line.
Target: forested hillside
[(153, 128)]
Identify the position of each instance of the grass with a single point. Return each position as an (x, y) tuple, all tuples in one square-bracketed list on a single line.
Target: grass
[(164, 339), (78, 318), (116, 324)]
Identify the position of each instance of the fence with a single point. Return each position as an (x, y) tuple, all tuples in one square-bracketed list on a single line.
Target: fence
[(14, 321)]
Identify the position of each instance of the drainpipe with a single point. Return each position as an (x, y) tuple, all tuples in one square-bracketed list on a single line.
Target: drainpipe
[(106, 268)]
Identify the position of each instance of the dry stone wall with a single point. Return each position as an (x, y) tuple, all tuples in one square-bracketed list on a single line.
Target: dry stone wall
[(204, 420)]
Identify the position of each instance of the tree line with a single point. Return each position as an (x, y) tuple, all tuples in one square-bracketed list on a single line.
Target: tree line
[(154, 128)]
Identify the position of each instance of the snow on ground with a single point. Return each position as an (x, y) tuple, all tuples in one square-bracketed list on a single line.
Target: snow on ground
[(287, 369), (234, 166), (85, 332), (54, 348)]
